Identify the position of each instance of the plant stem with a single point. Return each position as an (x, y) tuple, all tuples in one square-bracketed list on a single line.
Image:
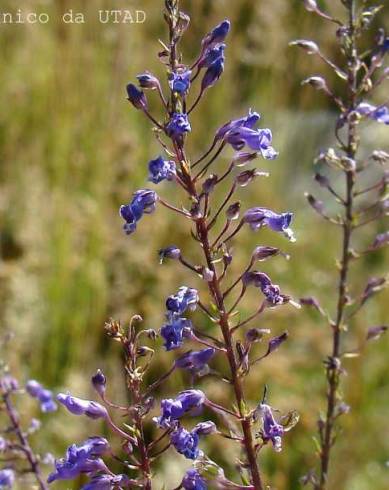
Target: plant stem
[(202, 230), (333, 368), (214, 287), (34, 464)]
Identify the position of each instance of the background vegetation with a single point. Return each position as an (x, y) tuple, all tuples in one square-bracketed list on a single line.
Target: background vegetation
[(72, 151)]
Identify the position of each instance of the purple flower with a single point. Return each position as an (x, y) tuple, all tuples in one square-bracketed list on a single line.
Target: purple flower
[(259, 217), (81, 459), (136, 97), (269, 290), (178, 126), (244, 122), (240, 132), (171, 252), (217, 35), (143, 202), (148, 81), (44, 396), (271, 429), (179, 81), (191, 399), (185, 442), (174, 409), (193, 481), (78, 406), (213, 73), (107, 482), (174, 332), (211, 55), (7, 478), (257, 139), (379, 114), (195, 360), (185, 299), (160, 169)]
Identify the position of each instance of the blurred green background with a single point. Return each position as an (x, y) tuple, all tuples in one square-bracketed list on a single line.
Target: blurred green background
[(72, 150)]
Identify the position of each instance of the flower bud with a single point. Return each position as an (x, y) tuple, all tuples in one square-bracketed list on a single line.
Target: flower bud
[(233, 211), (78, 406), (380, 240), (310, 5), (380, 156), (263, 253), (244, 178), (217, 35), (136, 97), (309, 46), (275, 342), (171, 252), (375, 333), (227, 259), (99, 381), (195, 211), (148, 81), (128, 448), (316, 82), (317, 205), (256, 334), (151, 333), (205, 428), (348, 163), (242, 157), (183, 22), (207, 274), (322, 180), (209, 184)]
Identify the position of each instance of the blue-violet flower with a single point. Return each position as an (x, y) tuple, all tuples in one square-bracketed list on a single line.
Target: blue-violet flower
[(179, 81), (185, 299), (259, 217), (160, 169), (178, 126), (193, 481)]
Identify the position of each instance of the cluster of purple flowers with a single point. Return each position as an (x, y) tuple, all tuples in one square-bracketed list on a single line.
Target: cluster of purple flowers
[(172, 410), (87, 459), (248, 142), (178, 327)]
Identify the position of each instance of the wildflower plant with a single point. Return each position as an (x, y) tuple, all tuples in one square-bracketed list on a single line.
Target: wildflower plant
[(357, 183), (18, 458), (214, 224)]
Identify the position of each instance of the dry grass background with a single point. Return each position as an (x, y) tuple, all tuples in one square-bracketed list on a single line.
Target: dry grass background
[(72, 151)]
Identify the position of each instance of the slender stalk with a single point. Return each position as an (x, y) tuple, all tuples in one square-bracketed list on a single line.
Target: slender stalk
[(202, 229), (134, 386), (214, 288), (333, 367), (25, 446)]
